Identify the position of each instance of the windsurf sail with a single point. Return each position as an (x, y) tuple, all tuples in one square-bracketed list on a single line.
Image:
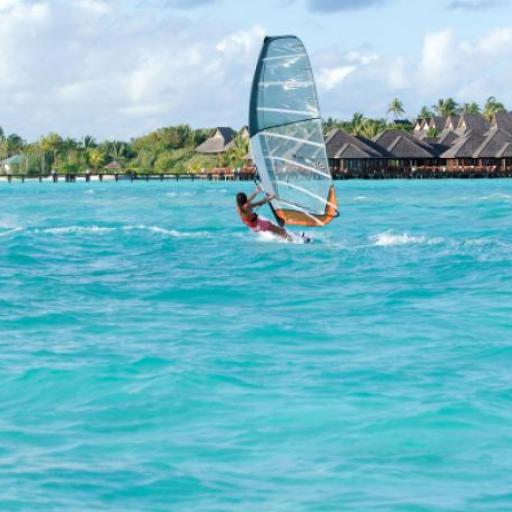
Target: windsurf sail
[(287, 140)]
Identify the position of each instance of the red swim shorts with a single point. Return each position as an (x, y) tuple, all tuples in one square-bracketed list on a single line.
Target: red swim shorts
[(262, 225)]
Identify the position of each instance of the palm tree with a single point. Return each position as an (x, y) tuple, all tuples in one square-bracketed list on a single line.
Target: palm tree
[(370, 128), (471, 108), (52, 144), (356, 123), (492, 106), (96, 157), (425, 113), (396, 107), (432, 133), (445, 107), (237, 154)]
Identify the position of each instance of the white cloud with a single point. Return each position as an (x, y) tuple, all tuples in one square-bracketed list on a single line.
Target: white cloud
[(329, 78), (101, 67), (468, 70), (90, 66), (439, 59)]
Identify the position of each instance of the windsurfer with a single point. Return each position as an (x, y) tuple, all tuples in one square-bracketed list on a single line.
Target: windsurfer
[(245, 207)]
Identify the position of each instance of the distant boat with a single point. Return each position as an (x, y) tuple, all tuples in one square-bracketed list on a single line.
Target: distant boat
[(287, 139)]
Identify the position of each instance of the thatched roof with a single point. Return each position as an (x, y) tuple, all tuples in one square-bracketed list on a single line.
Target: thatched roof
[(494, 142), (505, 151), (437, 122), (475, 123), (330, 134), (419, 125), (451, 122), (13, 160), (114, 165), (352, 151), (338, 142), (388, 140), (503, 121), (220, 141), (465, 147), (403, 147), (447, 138)]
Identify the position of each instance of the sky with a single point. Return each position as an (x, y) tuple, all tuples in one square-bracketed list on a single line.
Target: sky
[(120, 68)]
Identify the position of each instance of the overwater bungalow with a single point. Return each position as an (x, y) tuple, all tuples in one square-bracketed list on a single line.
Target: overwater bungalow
[(348, 154), (478, 152), (467, 145), (476, 123)]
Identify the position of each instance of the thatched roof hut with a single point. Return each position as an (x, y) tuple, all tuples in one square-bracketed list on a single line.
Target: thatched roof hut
[(405, 148), (113, 166), (493, 143), (397, 142), (506, 151), (419, 126), (502, 121), (451, 123), (475, 123), (220, 141), (437, 123), (465, 147), (447, 138), (341, 144)]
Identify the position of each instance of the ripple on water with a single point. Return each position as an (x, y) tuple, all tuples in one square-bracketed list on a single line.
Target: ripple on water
[(156, 355)]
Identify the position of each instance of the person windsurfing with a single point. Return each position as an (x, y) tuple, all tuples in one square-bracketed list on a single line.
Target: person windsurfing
[(245, 206)]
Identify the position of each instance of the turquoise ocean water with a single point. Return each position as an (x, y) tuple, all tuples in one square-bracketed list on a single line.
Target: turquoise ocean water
[(155, 355)]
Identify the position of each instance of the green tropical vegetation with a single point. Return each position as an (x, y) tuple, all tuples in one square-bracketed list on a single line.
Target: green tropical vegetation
[(172, 148), (169, 149), (396, 107)]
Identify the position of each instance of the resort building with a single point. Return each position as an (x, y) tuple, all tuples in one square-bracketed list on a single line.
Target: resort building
[(220, 141), (12, 165), (467, 145)]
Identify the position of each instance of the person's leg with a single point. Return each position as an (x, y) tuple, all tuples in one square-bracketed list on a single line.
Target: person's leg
[(277, 230), (266, 225)]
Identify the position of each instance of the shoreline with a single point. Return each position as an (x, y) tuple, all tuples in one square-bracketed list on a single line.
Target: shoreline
[(377, 176)]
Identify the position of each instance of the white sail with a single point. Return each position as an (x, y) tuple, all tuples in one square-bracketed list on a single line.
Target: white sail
[(286, 135)]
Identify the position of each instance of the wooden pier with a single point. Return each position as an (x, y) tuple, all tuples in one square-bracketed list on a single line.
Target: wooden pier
[(104, 177), (383, 174)]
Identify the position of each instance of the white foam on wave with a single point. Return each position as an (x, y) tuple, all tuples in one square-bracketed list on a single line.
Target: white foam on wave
[(166, 232), (484, 242), (10, 231), (388, 239), (76, 230), (101, 230), (267, 237), (172, 195), (497, 197), (361, 198)]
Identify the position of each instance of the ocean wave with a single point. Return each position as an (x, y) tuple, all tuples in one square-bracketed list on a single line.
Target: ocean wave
[(485, 242), (172, 195), (389, 239), (75, 230), (497, 197), (101, 230), (167, 232), (10, 231)]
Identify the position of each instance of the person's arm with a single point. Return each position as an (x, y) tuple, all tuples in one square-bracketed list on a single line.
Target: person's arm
[(262, 202), (254, 194)]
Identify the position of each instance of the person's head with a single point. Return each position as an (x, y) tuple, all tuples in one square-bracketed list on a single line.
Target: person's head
[(241, 199)]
